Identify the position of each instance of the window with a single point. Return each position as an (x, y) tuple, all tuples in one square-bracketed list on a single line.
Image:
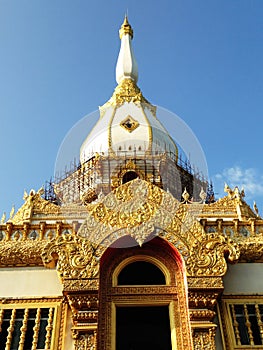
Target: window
[(141, 273), (28, 325), (242, 319)]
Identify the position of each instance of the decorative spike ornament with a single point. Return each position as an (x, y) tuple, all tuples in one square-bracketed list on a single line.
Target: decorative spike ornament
[(185, 195), (202, 195), (3, 218)]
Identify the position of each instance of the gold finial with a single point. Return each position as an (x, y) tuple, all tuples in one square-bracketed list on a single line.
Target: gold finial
[(12, 212), (3, 218), (185, 196), (255, 208), (126, 28)]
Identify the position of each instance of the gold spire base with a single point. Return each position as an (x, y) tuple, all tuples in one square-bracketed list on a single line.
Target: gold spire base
[(127, 91)]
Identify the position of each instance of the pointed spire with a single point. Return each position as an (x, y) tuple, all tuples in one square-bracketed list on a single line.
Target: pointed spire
[(126, 67), (126, 28)]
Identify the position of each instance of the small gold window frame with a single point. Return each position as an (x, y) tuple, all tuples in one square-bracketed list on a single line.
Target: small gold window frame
[(57, 320), (226, 323), (129, 124)]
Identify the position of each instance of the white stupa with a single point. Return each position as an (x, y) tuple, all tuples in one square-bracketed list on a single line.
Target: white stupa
[(128, 122)]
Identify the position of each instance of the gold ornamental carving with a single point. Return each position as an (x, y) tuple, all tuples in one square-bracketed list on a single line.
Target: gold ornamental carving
[(251, 249), (139, 208), (203, 299), (232, 205), (126, 91), (34, 203), (126, 28), (202, 314), (207, 257), (204, 339), (77, 284), (76, 257), (134, 207), (21, 253), (84, 308), (198, 283), (84, 341)]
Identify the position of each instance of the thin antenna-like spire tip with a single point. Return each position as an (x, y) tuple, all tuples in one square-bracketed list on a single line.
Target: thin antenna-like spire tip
[(126, 27)]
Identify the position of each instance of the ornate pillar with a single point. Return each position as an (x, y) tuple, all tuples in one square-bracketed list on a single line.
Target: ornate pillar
[(202, 296), (84, 308)]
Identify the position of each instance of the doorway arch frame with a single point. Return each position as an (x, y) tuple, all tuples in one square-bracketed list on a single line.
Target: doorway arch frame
[(173, 294)]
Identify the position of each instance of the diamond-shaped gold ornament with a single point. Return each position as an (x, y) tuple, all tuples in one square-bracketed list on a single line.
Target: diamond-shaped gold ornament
[(129, 123)]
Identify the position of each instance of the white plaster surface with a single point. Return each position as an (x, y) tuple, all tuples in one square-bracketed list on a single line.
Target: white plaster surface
[(29, 282), (244, 278), (126, 66)]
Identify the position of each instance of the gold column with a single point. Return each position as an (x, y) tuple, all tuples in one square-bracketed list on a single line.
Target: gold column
[(203, 294), (84, 308)]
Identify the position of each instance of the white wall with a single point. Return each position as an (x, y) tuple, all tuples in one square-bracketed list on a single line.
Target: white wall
[(218, 339), (29, 282), (244, 278)]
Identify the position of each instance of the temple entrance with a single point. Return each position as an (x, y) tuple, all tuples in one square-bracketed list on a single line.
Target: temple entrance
[(143, 302), (140, 328)]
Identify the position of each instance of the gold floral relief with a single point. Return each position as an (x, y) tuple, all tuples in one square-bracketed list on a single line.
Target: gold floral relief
[(204, 339), (208, 256), (76, 257), (139, 208)]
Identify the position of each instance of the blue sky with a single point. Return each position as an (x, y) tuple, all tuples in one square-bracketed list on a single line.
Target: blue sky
[(199, 59)]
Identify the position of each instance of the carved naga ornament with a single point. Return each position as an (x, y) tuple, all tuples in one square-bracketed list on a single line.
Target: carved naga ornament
[(140, 209)]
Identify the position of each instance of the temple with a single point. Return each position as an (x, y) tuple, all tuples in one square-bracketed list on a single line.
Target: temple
[(130, 249)]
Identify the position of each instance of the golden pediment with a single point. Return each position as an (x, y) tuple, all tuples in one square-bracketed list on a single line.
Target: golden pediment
[(34, 204)]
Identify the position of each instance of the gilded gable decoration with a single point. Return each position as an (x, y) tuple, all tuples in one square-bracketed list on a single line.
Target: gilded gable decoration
[(34, 204), (137, 209), (233, 205)]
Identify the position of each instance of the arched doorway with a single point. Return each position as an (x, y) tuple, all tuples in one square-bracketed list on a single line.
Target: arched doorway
[(143, 300)]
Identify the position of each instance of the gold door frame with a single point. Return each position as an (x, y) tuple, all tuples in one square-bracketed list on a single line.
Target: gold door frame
[(172, 294)]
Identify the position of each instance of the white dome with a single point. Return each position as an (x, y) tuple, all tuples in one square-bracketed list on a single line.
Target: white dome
[(128, 128)]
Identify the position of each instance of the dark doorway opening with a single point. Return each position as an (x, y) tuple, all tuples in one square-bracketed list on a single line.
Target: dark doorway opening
[(143, 328), (129, 176)]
